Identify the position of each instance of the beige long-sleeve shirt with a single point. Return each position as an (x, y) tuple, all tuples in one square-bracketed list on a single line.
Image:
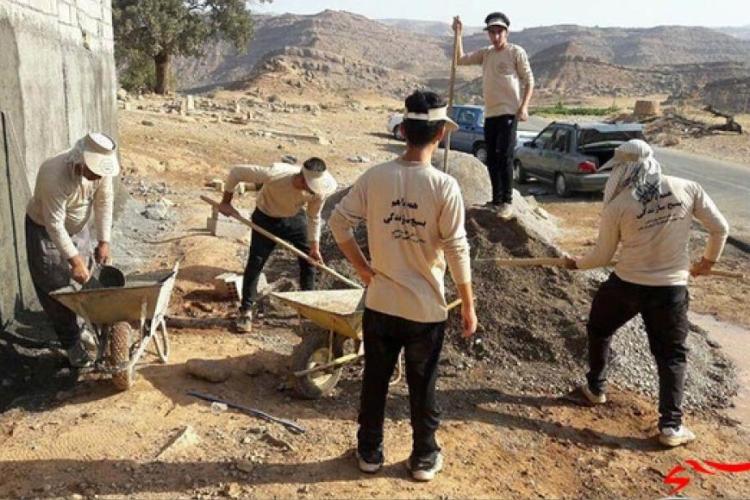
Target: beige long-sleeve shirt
[(415, 222), (505, 74), (655, 238), (63, 201), (278, 197)]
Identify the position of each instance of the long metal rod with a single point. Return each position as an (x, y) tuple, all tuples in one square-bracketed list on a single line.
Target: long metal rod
[(286, 245), (250, 411)]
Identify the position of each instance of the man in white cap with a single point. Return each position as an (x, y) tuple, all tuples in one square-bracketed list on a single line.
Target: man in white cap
[(414, 215), (69, 187), (507, 85), (286, 190), (651, 214)]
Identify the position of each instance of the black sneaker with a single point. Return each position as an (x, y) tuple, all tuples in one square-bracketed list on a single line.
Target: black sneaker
[(370, 462), (425, 468)]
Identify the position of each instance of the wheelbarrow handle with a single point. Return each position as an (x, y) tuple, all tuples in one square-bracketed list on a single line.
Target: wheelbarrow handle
[(286, 245), (250, 411)]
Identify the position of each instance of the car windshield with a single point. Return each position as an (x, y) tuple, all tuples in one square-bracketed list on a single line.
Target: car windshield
[(466, 115), (592, 136)]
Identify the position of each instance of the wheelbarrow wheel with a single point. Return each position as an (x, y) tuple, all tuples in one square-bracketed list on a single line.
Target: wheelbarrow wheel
[(120, 342), (161, 340), (314, 350)]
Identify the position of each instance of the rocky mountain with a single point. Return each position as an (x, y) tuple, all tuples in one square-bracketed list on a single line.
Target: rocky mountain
[(337, 50), (431, 28), (355, 39), (643, 47), (741, 32)]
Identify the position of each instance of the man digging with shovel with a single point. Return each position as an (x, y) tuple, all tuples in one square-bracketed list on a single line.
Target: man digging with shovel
[(68, 188), (650, 215), (415, 223), (286, 190)]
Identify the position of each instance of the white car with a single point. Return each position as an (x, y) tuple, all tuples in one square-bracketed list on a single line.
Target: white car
[(394, 126)]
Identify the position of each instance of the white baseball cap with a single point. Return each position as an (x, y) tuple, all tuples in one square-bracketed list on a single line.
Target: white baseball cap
[(434, 115), (100, 155), (317, 177)]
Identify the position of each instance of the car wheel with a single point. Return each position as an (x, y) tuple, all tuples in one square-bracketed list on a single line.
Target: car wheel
[(480, 152), (519, 174), (397, 133), (561, 186)]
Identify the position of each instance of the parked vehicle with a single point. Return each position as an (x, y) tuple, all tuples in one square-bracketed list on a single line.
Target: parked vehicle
[(469, 138), (394, 126), (571, 155)]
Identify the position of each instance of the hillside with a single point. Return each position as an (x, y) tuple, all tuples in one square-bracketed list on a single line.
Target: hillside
[(356, 39), (431, 28), (644, 47), (339, 51)]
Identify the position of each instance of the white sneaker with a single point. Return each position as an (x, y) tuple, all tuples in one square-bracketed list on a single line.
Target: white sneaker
[(505, 211), (425, 470), (244, 322), (594, 399), (669, 436), (370, 467), (78, 357)]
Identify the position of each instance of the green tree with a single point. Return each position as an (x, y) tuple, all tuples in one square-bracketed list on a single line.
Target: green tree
[(162, 29)]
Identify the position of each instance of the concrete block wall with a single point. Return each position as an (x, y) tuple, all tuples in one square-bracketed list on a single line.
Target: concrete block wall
[(57, 82)]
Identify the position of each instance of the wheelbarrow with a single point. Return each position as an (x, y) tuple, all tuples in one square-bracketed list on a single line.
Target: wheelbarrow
[(318, 361), (112, 313)]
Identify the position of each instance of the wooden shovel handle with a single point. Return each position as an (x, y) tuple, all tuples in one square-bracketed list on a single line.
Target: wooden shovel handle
[(286, 245)]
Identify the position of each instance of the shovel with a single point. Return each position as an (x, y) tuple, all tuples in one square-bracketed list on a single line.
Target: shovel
[(104, 276)]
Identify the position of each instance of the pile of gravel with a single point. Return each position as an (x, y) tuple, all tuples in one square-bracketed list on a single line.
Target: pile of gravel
[(532, 321)]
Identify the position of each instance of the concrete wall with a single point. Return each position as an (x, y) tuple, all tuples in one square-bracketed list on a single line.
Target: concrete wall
[(57, 82)]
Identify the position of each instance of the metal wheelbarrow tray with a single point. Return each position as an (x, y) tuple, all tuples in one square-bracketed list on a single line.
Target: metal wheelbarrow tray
[(317, 362), (109, 312)]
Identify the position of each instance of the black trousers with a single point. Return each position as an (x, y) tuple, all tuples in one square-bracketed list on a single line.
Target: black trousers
[(500, 137), (664, 312), (50, 271), (384, 337), (291, 229)]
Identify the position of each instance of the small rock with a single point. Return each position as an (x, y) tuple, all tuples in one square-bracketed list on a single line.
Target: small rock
[(359, 159), (184, 439), (147, 123), (156, 211), (291, 159), (217, 408)]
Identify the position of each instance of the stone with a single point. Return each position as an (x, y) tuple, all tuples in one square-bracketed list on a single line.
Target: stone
[(147, 123), (156, 211), (290, 159), (184, 439)]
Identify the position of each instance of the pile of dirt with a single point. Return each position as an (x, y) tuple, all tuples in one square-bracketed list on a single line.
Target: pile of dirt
[(532, 321)]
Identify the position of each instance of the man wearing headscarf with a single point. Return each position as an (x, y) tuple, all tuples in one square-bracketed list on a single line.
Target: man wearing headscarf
[(69, 187), (650, 216)]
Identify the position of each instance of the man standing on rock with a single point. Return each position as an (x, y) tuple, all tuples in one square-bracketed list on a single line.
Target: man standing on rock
[(286, 190), (651, 215), (415, 223), (505, 69), (68, 188)]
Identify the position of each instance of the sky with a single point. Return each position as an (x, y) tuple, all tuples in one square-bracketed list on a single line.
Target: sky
[(529, 13)]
